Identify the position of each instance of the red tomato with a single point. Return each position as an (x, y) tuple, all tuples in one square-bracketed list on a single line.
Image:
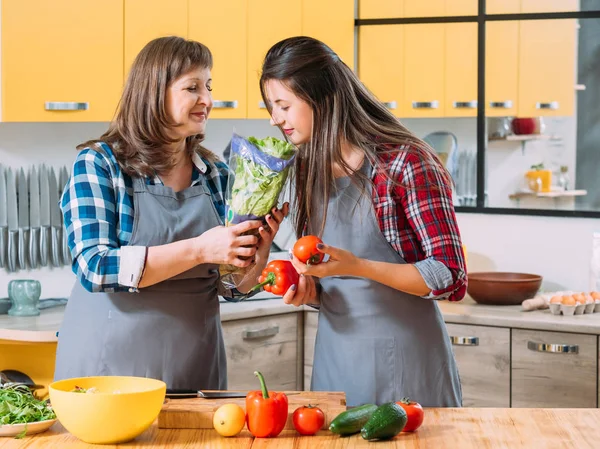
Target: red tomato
[(308, 419), (305, 249), (414, 412)]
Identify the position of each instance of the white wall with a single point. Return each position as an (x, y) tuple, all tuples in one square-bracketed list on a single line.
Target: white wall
[(557, 248)]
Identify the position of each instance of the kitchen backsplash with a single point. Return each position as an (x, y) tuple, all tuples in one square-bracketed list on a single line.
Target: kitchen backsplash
[(557, 248)]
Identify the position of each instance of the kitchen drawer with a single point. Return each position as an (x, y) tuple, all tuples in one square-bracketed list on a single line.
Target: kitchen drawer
[(483, 357), (553, 369), (311, 320), (265, 344)]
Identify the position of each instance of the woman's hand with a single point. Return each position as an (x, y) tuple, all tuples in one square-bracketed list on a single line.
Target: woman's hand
[(225, 245), (340, 263), (274, 220), (304, 293)]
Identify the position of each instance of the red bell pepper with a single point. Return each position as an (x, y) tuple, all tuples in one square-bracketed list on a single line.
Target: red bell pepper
[(277, 277), (266, 411)]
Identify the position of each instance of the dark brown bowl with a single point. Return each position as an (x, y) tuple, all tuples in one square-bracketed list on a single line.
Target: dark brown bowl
[(502, 289)]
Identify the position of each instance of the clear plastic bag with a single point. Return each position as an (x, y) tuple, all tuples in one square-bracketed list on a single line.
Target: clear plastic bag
[(260, 168)]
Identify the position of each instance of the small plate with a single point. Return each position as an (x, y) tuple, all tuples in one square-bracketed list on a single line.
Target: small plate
[(12, 430)]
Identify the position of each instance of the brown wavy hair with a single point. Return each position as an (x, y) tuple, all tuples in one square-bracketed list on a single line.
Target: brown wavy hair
[(138, 135), (343, 110)]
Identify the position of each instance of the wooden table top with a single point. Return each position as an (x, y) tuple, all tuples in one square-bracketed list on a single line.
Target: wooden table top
[(465, 428)]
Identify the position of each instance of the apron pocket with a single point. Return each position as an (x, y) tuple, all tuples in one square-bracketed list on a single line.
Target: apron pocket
[(364, 368)]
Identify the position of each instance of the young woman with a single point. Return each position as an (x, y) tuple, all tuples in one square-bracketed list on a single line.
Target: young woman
[(144, 211), (381, 201)]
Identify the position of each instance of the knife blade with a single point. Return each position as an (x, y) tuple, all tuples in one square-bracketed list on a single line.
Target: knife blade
[(23, 204), (55, 223), (34, 218), (64, 180), (3, 218), (13, 220), (184, 394), (44, 216)]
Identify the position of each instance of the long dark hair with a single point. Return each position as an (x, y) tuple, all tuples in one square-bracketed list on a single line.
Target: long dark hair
[(138, 135), (343, 110)]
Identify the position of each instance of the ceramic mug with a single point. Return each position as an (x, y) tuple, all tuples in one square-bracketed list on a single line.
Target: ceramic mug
[(24, 295)]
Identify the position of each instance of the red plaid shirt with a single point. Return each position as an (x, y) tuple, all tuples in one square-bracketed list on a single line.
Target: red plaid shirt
[(416, 215)]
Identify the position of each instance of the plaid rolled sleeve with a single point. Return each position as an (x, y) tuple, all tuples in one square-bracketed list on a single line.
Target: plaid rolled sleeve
[(416, 215), (89, 206)]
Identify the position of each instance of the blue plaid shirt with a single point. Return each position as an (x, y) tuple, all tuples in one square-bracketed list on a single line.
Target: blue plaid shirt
[(97, 206)]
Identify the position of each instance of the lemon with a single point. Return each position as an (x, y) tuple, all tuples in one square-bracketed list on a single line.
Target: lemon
[(229, 420)]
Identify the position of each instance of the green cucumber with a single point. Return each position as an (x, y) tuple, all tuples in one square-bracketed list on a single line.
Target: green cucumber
[(385, 422), (352, 420)]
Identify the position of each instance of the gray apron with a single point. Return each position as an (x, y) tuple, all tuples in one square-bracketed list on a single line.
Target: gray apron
[(375, 343), (169, 331)]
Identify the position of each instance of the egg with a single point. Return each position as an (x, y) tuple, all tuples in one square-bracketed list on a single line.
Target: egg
[(569, 301), (556, 300), (579, 298), (595, 295)]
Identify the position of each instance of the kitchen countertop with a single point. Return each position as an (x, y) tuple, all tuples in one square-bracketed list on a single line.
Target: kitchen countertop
[(465, 428), (43, 328)]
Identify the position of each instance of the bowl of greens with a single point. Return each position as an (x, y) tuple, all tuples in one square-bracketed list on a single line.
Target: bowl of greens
[(21, 413)]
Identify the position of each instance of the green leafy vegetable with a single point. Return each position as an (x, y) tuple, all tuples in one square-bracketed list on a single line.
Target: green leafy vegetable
[(256, 188), (19, 406)]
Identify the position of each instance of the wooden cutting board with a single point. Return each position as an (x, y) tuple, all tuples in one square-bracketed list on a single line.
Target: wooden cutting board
[(197, 413)]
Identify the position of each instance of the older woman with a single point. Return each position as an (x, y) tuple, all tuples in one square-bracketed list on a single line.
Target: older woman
[(144, 212)]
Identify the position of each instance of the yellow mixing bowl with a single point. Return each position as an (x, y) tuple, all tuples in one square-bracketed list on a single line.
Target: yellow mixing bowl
[(119, 409)]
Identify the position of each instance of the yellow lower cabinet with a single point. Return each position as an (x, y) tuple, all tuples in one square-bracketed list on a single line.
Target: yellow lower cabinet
[(62, 60), (34, 359)]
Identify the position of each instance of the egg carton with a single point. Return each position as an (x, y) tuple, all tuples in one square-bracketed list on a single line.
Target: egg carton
[(592, 305)]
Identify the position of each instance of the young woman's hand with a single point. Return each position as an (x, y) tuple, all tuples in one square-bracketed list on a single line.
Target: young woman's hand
[(340, 263), (274, 220), (304, 293), (225, 245)]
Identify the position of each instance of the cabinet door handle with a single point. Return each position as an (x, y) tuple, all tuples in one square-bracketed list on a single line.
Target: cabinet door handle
[(501, 104), (262, 105), (426, 104), (557, 349), (465, 341), (218, 104), (553, 105), (391, 104), (66, 106), (465, 104), (260, 333)]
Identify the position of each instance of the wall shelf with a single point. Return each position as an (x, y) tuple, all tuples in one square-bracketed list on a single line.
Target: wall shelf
[(551, 194)]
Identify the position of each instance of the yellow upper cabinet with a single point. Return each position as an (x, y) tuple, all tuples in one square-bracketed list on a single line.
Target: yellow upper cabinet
[(268, 23), (529, 6), (461, 70), (148, 19), (547, 67), (424, 8), (424, 69), (62, 60), (501, 68), (502, 7), (333, 23), (381, 63), (378, 9), (461, 7), (223, 30)]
